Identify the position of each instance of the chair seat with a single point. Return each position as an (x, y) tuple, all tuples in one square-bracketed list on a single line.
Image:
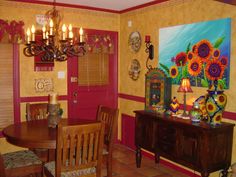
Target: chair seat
[(50, 166), (20, 159)]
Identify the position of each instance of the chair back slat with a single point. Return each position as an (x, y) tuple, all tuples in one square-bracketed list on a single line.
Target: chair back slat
[(110, 117), (79, 147)]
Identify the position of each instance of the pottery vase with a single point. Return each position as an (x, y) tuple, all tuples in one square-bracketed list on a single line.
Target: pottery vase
[(215, 103), (195, 113), (53, 115)]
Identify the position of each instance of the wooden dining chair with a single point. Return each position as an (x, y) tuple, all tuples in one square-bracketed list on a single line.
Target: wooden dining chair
[(110, 117), (79, 151), (20, 163), (37, 111)]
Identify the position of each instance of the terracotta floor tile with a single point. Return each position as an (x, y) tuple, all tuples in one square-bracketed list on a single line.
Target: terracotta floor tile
[(124, 165)]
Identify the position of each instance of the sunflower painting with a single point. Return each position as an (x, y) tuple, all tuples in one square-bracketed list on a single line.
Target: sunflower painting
[(199, 51)]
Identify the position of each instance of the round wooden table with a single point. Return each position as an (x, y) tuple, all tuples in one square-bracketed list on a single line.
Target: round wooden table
[(37, 134)]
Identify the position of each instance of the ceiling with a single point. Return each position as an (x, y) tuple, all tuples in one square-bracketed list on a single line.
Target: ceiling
[(106, 5)]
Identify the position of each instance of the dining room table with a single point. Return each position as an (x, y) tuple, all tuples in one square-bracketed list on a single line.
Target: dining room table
[(36, 133)]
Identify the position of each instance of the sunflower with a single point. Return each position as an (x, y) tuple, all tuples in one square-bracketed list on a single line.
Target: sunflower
[(174, 71), (194, 67), (214, 69), (190, 55), (216, 53), (181, 59), (222, 99), (218, 118), (224, 61), (204, 50), (211, 107)]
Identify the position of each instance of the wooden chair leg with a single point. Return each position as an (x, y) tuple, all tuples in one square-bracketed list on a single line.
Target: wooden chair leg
[(109, 165)]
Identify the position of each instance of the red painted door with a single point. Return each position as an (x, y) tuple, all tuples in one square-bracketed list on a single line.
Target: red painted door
[(84, 100)]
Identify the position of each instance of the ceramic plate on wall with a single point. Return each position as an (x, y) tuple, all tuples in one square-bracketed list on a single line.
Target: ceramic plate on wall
[(135, 41), (134, 69)]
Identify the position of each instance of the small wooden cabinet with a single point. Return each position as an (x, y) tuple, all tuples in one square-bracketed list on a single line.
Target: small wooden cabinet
[(198, 146)]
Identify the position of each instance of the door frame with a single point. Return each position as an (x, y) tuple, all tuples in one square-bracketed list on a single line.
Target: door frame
[(73, 62)]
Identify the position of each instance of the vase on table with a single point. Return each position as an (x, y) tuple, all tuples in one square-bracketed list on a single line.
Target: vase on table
[(215, 103)]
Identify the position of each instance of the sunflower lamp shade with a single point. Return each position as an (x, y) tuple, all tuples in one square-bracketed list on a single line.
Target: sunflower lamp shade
[(185, 87)]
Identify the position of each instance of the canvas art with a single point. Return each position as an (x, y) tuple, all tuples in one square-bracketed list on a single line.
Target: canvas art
[(199, 51)]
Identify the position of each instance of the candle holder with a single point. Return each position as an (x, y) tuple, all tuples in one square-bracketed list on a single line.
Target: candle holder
[(149, 49), (53, 115)]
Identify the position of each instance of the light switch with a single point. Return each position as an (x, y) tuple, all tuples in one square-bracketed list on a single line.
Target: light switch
[(61, 75), (129, 23)]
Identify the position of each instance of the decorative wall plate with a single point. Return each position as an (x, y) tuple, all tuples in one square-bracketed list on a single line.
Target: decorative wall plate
[(134, 69), (44, 85), (134, 41)]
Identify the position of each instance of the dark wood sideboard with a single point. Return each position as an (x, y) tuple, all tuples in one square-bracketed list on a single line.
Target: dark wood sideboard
[(200, 147)]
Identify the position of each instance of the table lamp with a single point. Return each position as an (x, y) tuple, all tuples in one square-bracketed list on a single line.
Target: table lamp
[(185, 87)]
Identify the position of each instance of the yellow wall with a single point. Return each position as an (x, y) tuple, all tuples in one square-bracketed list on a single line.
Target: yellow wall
[(27, 12), (148, 21)]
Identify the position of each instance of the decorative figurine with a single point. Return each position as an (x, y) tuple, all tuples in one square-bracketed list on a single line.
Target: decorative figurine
[(195, 113), (174, 105)]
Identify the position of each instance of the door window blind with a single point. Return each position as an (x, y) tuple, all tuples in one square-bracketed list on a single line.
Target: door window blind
[(93, 69), (6, 85)]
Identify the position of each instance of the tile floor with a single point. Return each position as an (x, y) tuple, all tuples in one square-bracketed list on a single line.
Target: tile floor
[(124, 165)]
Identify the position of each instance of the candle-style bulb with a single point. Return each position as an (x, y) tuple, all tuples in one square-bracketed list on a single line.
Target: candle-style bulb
[(28, 32), (44, 29), (28, 36), (33, 33), (81, 34), (51, 23), (63, 28), (70, 27), (81, 31), (33, 29)]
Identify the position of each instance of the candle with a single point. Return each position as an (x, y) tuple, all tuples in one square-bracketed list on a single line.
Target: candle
[(81, 34), (33, 33), (51, 27), (28, 36), (147, 38), (70, 34), (47, 42), (63, 32), (44, 32), (53, 98)]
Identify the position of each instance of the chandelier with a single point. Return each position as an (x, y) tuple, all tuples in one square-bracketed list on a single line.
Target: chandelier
[(55, 44)]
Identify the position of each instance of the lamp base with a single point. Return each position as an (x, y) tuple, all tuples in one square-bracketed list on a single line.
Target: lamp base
[(185, 116)]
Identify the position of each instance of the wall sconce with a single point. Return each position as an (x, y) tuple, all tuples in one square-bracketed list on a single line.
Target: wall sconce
[(149, 49)]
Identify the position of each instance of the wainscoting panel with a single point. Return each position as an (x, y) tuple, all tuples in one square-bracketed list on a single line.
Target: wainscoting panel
[(128, 131)]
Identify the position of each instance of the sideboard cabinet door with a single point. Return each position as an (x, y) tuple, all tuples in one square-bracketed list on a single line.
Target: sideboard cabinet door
[(145, 132), (189, 147)]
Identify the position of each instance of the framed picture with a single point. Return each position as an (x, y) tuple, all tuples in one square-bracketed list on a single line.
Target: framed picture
[(157, 90)]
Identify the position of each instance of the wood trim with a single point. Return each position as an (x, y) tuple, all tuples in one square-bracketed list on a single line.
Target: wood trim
[(40, 98), (226, 114), (16, 83), (131, 97)]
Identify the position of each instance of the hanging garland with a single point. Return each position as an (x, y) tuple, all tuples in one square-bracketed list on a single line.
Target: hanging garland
[(12, 32)]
